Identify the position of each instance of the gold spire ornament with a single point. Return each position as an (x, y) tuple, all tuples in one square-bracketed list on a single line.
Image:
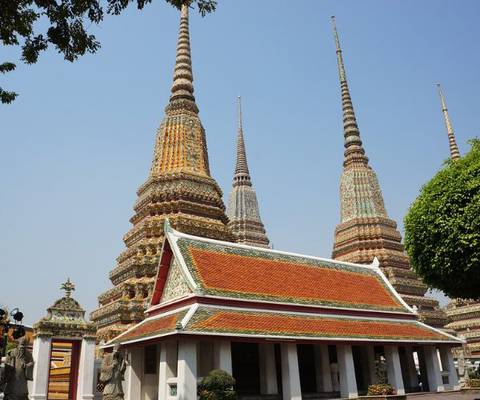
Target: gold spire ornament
[(68, 287)]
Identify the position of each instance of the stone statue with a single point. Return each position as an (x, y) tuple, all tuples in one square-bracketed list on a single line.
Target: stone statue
[(18, 370), (112, 374)]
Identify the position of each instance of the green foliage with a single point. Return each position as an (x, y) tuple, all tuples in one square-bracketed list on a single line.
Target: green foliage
[(380, 389), (217, 385), (66, 22), (442, 228)]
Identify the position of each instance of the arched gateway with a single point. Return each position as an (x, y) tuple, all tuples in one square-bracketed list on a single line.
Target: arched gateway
[(285, 325)]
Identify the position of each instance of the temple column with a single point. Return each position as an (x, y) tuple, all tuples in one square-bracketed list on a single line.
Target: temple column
[(448, 366), (434, 374), (323, 374), (370, 358), (41, 369), (346, 368), (86, 370), (290, 372), (412, 370), (394, 369), (133, 374), (222, 355), (268, 371), (187, 370), (167, 369)]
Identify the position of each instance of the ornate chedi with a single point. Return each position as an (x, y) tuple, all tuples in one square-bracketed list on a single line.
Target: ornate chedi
[(463, 315), (242, 210), (365, 230), (179, 188)]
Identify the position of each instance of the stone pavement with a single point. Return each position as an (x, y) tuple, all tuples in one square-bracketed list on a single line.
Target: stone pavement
[(446, 396)]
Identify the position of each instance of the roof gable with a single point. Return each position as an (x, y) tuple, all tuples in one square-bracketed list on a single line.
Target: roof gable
[(242, 272), (176, 285)]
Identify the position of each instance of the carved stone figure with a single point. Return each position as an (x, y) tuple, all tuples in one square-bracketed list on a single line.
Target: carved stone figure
[(18, 370), (112, 375)]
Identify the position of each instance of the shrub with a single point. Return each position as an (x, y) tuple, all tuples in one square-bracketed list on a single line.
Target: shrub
[(217, 385), (380, 389), (474, 383)]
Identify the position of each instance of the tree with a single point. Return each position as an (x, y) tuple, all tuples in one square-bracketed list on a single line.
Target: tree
[(442, 228), (66, 24)]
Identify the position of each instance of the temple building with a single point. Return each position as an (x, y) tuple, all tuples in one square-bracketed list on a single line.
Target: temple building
[(365, 230), (179, 187), (463, 315), (286, 326), (222, 305), (242, 209)]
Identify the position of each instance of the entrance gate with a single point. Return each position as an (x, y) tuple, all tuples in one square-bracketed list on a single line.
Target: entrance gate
[(64, 352)]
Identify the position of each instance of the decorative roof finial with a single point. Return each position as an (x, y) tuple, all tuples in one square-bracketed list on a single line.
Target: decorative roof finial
[(68, 287), (182, 88), (454, 152), (354, 151), (241, 167)]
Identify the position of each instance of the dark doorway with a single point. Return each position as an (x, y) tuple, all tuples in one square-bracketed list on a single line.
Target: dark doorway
[(361, 373), (245, 364), (306, 367)]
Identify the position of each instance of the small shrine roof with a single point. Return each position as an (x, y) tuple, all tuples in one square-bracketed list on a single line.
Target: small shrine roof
[(239, 322), (65, 318)]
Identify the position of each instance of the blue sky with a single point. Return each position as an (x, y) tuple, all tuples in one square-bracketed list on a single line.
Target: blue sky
[(79, 140)]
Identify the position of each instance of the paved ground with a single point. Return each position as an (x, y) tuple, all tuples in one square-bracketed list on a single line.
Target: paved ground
[(446, 396)]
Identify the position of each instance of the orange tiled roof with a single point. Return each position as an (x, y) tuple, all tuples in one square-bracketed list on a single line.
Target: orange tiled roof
[(301, 325), (247, 323), (151, 327), (231, 271)]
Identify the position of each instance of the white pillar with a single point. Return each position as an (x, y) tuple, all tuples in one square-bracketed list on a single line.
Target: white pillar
[(86, 370), (268, 371), (449, 366), (370, 356), (167, 368), (348, 382), (290, 373), (134, 374), (434, 375), (323, 374), (411, 369), (41, 369), (222, 355), (187, 370), (394, 369)]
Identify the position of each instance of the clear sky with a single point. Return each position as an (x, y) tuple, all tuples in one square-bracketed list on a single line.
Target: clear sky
[(79, 140)]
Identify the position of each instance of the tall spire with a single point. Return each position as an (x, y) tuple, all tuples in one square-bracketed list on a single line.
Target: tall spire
[(241, 168), (182, 87), (354, 152), (179, 188), (454, 152), (365, 231), (242, 209)]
